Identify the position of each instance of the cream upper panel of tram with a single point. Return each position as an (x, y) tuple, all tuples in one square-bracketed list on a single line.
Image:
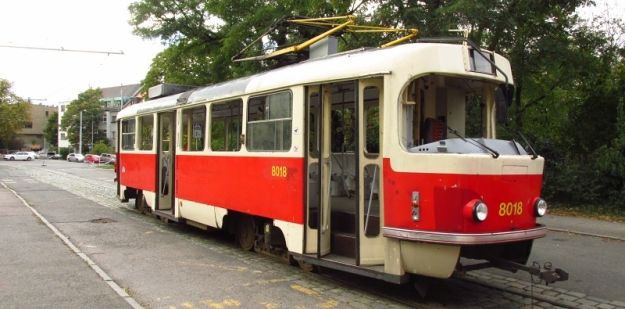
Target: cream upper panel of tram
[(402, 61), (149, 106), (467, 164)]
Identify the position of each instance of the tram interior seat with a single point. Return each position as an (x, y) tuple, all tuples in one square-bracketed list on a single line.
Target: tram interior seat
[(434, 130)]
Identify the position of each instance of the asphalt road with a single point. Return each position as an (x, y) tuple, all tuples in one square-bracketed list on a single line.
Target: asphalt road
[(168, 266)]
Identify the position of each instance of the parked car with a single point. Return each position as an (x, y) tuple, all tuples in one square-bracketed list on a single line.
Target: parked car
[(75, 157), (20, 155), (91, 158), (107, 158), (33, 154), (55, 156)]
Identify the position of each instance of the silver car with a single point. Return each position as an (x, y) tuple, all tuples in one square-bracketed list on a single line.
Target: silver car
[(20, 155), (75, 157)]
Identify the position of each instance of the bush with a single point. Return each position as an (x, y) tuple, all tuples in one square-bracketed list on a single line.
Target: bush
[(101, 147), (64, 153)]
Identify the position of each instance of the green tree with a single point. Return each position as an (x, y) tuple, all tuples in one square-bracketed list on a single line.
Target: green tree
[(101, 147), (51, 130), (14, 112), (89, 103), (203, 35)]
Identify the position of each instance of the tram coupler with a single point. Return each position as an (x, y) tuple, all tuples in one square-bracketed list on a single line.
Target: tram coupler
[(546, 272)]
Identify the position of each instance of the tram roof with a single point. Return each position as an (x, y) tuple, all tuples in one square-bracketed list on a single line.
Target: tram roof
[(341, 66)]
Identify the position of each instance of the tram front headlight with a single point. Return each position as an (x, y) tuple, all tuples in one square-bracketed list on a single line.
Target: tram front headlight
[(540, 207), (476, 210)]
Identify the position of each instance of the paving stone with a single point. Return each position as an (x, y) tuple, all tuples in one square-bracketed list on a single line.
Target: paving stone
[(514, 297), (551, 293), (518, 285), (569, 303), (576, 294), (567, 297), (605, 306), (587, 302), (617, 303), (501, 281), (545, 305), (550, 298), (534, 289), (599, 300)]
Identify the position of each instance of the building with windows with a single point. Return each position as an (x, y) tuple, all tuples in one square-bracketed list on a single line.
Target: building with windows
[(63, 142), (31, 136), (113, 100)]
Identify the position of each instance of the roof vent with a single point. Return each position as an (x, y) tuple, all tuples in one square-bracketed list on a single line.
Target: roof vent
[(326, 46), (164, 90)]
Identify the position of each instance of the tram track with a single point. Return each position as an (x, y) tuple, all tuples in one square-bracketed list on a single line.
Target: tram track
[(455, 292), (535, 297)]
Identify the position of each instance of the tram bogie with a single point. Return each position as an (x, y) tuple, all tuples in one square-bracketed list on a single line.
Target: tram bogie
[(382, 162)]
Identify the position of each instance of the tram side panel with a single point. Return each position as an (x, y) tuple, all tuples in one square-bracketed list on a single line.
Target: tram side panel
[(269, 187), (137, 171)]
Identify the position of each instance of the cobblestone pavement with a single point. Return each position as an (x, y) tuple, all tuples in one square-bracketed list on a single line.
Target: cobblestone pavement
[(475, 290)]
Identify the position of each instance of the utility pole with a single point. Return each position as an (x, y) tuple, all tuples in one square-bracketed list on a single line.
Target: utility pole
[(80, 135)]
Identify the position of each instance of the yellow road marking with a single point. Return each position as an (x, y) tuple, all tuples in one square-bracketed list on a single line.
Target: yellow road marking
[(303, 289), (222, 305), (328, 304)]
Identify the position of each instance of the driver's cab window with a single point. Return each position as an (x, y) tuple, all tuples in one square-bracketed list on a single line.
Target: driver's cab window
[(435, 108)]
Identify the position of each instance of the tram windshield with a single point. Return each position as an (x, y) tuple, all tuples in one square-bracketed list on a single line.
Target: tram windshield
[(438, 107)]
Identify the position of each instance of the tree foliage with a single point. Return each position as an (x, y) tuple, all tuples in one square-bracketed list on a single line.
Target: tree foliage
[(100, 148), (14, 112), (51, 130), (202, 36), (568, 72), (89, 103)]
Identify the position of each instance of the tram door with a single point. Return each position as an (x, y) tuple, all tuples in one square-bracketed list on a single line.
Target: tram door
[(369, 151), (318, 231), (344, 213), (166, 160)]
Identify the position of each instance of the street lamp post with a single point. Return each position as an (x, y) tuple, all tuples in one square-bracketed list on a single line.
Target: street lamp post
[(80, 135)]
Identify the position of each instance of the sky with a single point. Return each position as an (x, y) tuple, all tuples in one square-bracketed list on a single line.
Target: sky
[(59, 76), (50, 77)]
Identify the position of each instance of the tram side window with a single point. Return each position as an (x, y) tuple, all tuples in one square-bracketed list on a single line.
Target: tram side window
[(269, 122), (372, 120), (128, 134), (226, 125), (193, 127), (146, 132)]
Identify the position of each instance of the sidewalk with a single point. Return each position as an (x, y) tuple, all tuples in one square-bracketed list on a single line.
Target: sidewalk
[(38, 270), (584, 226)]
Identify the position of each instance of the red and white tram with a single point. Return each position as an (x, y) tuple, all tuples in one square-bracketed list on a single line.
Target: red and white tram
[(382, 162)]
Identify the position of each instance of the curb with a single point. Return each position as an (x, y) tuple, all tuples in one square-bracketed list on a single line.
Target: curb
[(587, 234)]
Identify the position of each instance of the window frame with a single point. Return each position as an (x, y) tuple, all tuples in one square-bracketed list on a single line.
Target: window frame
[(264, 120), (129, 134)]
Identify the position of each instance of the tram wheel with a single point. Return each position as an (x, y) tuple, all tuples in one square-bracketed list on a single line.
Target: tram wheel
[(307, 267), (245, 232), (139, 201)]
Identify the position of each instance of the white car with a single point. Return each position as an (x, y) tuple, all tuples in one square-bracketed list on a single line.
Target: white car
[(21, 155), (75, 157)]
